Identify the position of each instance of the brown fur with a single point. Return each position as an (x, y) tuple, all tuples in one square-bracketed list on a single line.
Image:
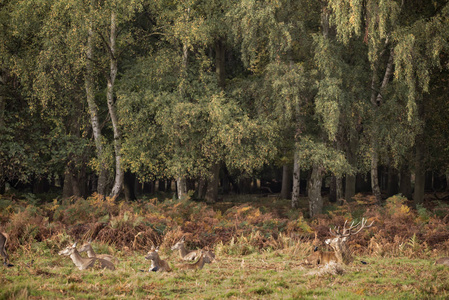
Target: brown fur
[(443, 261), (321, 258), (3, 239), (183, 252), (199, 264), (86, 263), (342, 253), (157, 262), (191, 255), (87, 247)]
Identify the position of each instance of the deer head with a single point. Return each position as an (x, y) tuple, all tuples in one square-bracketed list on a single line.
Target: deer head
[(339, 242), (179, 244)]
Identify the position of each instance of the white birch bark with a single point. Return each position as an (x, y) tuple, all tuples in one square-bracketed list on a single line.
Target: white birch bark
[(119, 173), (93, 111)]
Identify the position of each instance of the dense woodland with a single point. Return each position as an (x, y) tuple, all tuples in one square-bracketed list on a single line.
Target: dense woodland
[(206, 98)]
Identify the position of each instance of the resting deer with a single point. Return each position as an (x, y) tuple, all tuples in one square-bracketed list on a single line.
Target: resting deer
[(87, 247), (183, 252), (199, 264), (3, 239), (321, 258), (157, 264), (86, 263), (190, 255), (443, 261), (338, 243)]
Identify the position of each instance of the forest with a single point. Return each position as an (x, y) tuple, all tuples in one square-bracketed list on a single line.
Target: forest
[(122, 98), (251, 129)]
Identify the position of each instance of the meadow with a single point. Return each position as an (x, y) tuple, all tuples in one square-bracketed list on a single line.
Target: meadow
[(260, 245)]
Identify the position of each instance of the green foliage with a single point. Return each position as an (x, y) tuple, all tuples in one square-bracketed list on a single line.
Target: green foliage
[(332, 160)]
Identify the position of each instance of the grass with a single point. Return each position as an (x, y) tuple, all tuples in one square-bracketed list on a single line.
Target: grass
[(273, 275), (260, 245)]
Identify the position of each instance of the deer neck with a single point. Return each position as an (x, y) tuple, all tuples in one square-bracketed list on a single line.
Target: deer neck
[(200, 263), (3, 239), (341, 252), (183, 251), (90, 252), (78, 260), (157, 261)]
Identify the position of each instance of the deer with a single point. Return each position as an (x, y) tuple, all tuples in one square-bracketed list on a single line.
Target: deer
[(442, 261), (157, 264), (321, 258), (183, 252), (87, 247), (3, 239), (85, 263), (199, 264), (190, 255), (338, 243)]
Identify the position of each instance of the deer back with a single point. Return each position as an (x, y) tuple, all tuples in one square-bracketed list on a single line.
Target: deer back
[(199, 264), (443, 261), (3, 240)]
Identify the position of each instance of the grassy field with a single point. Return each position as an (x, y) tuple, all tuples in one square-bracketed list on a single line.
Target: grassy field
[(260, 246), (270, 275)]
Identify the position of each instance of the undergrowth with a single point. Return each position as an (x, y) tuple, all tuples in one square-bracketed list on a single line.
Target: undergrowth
[(259, 247)]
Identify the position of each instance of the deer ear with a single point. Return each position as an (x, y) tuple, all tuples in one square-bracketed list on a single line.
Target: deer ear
[(328, 241), (157, 249), (74, 245)]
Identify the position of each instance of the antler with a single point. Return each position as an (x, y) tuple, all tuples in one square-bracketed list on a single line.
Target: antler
[(349, 231)]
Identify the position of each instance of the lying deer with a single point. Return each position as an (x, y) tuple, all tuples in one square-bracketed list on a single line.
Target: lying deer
[(157, 264), (183, 252), (199, 264), (190, 255), (341, 253), (443, 261), (3, 239), (87, 247), (338, 243), (321, 258), (86, 263)]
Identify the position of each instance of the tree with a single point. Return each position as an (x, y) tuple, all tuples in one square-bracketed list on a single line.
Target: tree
[(392, 32)]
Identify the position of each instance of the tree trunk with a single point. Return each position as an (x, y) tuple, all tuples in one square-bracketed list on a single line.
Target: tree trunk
[(351, 154), (375, 175), (377, 101), (93, 110), (214, 179), (119, 173), (2, 124), (405, 185), (420, 171), (333, 190), (202, 186), (220, 56), (212, 184), (339, 187), (314, 194), (67, 190), (2, 100), (286, 182), (181, 186), (393, 181), (128, 186), (296, 181)]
